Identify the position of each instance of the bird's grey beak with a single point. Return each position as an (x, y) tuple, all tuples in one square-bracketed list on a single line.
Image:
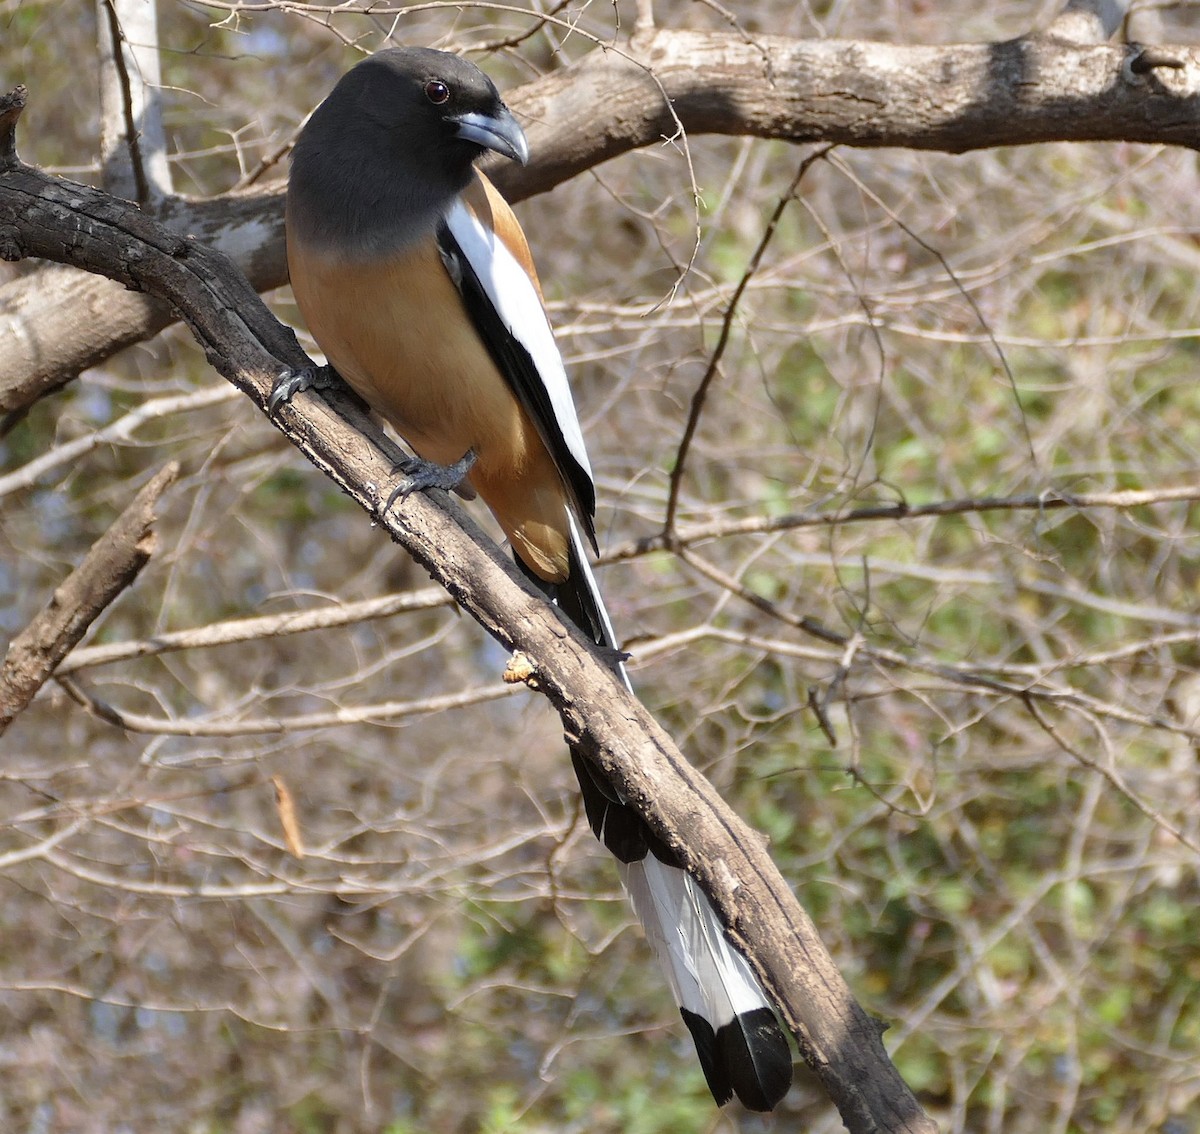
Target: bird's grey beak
[(499, 132)]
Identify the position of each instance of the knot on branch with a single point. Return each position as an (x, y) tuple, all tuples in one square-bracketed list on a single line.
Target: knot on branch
[(1142, 60), (10, 245), (11, 106)]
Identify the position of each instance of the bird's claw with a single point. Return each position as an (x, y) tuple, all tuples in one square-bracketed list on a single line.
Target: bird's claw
[(420, 475), (289, 383)]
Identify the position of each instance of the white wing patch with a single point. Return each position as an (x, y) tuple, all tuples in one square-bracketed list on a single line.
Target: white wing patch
[(513, 296)]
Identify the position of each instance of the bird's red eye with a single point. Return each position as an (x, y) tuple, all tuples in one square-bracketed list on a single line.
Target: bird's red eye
[(436, 91)]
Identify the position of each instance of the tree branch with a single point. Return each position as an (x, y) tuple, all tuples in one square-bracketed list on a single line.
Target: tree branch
[(1089, 21), (953, 98), (111, 565), (48, 217), (236, 630)]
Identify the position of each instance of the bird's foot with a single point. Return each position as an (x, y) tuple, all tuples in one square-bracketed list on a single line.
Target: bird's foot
[(293, 382), (612, 657), (420, 475)]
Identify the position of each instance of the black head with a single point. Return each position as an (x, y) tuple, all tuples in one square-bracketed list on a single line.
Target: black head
[(395, 142), (436, 105)]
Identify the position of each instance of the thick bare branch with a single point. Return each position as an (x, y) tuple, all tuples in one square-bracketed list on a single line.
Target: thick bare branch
[(58, 321), (51, 218), (951, 98), (954, 98), (111, 565)]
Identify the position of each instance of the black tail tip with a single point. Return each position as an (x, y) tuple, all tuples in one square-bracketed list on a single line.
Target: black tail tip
[(748, 1057)]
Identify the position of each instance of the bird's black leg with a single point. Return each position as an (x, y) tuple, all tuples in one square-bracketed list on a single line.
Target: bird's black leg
[(420, 474), (292, 382)]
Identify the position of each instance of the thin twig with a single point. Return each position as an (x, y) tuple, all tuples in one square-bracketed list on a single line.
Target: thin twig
[(234, 630), (386, 711), (1047, 501), (1109, 772), (700, 394)]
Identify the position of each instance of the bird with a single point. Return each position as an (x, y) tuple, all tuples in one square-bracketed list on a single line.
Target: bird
[(416, 281)]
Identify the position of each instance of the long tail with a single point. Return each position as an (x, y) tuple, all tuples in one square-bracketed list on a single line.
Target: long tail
[(741, 1047)]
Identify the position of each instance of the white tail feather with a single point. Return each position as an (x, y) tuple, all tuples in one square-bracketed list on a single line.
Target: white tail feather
[(708, 976)]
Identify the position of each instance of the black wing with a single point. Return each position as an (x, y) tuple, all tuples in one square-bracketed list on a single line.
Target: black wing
[(516, 364)]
